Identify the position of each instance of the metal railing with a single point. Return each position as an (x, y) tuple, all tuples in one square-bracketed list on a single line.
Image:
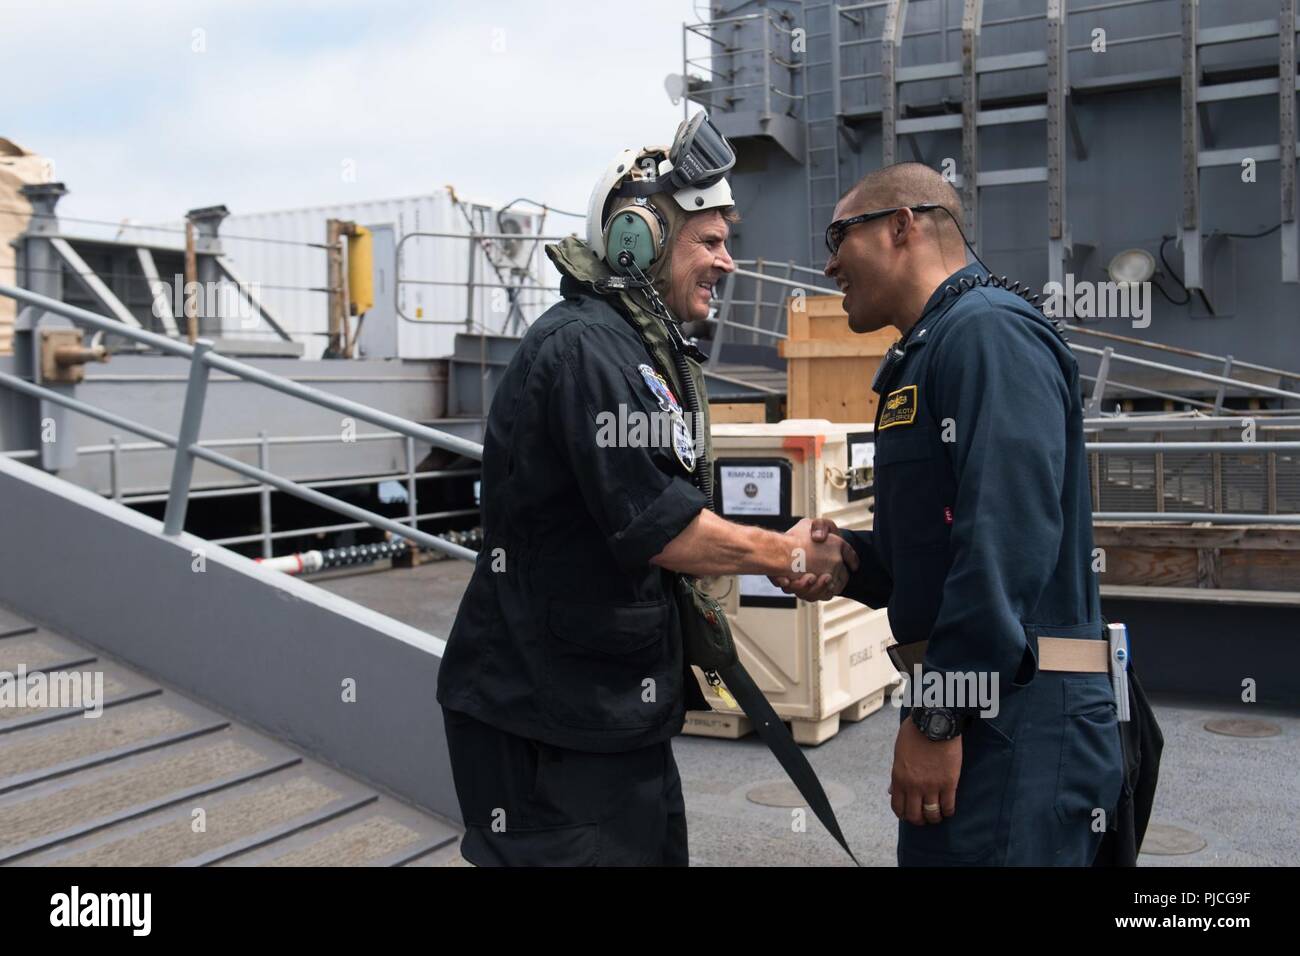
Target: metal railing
[(1109, 355), (722, 91), (729, 316), (488, 246), (116, 449), (186, 443), (1278, 459), (1214, 482), (767, 324)]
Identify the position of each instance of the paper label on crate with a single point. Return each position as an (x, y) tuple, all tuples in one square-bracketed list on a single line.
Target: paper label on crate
[(862, 455), (751, 490), (757, 585)]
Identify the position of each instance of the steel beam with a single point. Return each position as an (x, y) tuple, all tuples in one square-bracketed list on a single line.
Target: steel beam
[(1056, 84), (93, 283), (891, 48), (972, 14), (223, 264), (162, 302), (188, 437), (1190, 227), (1287, 82)]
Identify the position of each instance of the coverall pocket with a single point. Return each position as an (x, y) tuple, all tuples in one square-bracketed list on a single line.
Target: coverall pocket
[(973, 836), (1090, 771), (607, 664), (907, 491)]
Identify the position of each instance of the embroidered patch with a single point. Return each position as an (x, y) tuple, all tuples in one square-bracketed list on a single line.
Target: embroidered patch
[(663, 394), (683, 444), (900, 408)]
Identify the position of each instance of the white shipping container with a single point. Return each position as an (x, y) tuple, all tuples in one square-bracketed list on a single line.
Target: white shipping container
[(291, 277)]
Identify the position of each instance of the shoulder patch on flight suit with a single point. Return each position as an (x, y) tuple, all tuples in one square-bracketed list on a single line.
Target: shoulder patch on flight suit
[(683, 444), (659, 388), (900, 407)]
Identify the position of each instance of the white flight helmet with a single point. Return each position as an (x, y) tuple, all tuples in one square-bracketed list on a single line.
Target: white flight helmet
[(691, 171)]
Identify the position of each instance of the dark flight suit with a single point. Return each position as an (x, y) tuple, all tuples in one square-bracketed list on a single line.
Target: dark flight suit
[(982, 543), (564, 679)]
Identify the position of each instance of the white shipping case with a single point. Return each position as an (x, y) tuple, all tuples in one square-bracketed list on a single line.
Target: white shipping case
[(819, 662)]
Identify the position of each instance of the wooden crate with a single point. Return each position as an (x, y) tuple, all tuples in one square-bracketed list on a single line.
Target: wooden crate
[(816, 663), (724, 413), (1232, 557), (829, 367)]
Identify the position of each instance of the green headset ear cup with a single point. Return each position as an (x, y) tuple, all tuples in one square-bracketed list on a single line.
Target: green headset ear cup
[(636, 230)]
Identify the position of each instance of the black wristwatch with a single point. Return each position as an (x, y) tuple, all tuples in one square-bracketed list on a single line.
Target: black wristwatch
[(937, 723)]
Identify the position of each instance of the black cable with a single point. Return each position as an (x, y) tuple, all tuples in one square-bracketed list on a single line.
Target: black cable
[(1168, 298), (1187, 295), (1164, 241), (1248, 235), (171, 229), (93, 222), (962, 232), (1206, 302), (703, 470), (132, 277)]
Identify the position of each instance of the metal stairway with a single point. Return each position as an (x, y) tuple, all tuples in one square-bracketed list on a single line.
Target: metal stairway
[(127, 788), (311, 671)]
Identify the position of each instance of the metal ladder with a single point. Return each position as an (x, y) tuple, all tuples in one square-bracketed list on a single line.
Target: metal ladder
[(1194, 158), (970, 68), (822, 143)]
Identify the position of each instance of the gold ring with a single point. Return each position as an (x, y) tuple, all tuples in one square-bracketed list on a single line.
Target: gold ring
[(930, 807)]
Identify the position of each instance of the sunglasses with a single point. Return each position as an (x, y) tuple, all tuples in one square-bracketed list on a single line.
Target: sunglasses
[(836, 230)]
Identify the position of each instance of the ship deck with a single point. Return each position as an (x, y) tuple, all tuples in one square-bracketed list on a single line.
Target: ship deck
[(125, 788), (1222, 800), (158, 779)]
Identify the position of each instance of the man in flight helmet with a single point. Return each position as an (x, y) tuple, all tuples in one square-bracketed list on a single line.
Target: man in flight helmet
[(564, 677)]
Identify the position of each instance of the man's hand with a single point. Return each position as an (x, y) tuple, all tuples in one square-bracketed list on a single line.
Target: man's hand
[(811, 585), (923, 788)]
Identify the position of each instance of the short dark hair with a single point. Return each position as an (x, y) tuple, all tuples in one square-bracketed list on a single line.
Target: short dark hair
[(907, 184)]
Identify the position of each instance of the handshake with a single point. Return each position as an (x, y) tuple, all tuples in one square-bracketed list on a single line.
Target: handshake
[(820, 561)]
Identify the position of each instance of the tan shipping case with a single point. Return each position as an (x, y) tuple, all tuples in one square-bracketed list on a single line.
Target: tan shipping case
[(816, 663)]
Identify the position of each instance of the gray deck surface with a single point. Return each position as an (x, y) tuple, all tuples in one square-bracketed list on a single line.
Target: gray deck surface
[(1237, 795), (125, 788), (122, 789)]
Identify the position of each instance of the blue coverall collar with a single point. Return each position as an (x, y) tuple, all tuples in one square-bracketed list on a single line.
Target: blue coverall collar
[(972, 271), (941, 294)]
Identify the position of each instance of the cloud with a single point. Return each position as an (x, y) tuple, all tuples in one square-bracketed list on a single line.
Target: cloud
[(145, 117)]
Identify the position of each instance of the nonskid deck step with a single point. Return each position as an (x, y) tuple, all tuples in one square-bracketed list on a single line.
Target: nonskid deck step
[(157, 779)]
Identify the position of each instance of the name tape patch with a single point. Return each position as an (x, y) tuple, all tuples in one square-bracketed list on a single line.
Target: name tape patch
[(900, 408)]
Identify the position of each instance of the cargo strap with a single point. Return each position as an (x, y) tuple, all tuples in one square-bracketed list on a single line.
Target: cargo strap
[(788, 754), (1075, 655)]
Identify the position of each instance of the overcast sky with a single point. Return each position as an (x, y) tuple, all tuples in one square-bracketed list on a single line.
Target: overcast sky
[(152, 107)]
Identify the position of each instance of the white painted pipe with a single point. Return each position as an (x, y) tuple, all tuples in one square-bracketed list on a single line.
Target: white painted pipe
[(301, 563)]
